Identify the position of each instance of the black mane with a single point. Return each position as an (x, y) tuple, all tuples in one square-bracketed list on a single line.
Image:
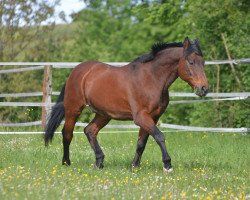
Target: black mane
[(156, 48), (159, 46)]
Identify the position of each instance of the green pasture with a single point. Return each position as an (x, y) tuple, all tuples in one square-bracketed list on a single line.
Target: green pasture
[(206, 166)]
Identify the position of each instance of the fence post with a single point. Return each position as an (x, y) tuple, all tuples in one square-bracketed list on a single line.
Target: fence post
[(47, 93)]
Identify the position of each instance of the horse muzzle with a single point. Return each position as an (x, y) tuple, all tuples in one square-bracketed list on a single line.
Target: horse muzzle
[(201, 91)]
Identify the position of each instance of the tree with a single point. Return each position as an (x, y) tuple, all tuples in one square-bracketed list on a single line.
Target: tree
[(24, 25), (21, 22), (113, 31)]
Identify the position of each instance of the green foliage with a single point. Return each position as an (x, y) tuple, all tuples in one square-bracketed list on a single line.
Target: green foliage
[(20, 23), (23, 37), (18, 83), (108, 35)]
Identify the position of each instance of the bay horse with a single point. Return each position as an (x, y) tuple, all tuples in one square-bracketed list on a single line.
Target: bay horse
[(137, 91)]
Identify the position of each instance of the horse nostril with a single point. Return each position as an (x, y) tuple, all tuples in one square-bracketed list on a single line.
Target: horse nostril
[(204, 89), (201, 91)]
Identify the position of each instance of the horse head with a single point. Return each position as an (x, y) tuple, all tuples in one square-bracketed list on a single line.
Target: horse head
[(191, 67)]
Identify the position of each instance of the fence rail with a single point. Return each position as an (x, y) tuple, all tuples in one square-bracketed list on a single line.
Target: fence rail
[(132, 126), (117, 64), (37, 104), (171, 94), (15, 70), (47, 93)]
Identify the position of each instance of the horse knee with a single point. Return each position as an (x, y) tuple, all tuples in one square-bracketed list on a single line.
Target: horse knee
[(90, 132), (91, 128)]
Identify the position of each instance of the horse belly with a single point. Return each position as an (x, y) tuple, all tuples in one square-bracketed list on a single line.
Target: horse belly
[(118, 114)]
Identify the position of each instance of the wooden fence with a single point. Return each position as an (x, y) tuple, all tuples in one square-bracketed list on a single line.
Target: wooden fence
[(47, 93)]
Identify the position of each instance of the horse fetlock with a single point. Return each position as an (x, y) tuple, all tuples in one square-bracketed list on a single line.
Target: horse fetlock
[(136, 164), (167, 164), (137, 160), (100, 156), (99, 164)]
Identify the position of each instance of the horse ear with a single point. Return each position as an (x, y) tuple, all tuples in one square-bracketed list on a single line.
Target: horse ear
[(186, 43), (196, 42)]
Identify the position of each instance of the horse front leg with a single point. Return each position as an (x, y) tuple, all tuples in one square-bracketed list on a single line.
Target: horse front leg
[(146, 122), (160, 139)]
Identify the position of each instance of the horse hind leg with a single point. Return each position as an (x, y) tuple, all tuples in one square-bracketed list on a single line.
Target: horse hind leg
[(67, 132), (91, 131), (141, 144)]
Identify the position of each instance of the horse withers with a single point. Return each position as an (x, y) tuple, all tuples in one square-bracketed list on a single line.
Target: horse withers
[(137, 91)]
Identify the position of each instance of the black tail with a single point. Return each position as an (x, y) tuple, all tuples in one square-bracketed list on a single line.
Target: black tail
[(55, 118)]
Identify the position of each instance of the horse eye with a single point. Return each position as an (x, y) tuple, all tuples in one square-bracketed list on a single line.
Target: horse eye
[(191, 62)]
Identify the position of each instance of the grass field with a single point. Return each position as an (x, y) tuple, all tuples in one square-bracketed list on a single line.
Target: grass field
[(206, 166)]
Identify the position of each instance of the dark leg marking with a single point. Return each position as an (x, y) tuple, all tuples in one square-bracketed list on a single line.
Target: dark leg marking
[(160, 139), (67, 133), (141, 144), (91, 132), (148, 124)]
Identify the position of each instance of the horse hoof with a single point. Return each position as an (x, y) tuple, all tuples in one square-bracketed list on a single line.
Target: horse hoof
[(100, 166), (167, 171), (135, 168), (66, 162)]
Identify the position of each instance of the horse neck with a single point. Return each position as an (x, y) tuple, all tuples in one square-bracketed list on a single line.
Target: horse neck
[(165, 67)]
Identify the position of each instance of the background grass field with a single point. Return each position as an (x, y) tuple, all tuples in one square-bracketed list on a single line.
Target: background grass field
[(206, 166)]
